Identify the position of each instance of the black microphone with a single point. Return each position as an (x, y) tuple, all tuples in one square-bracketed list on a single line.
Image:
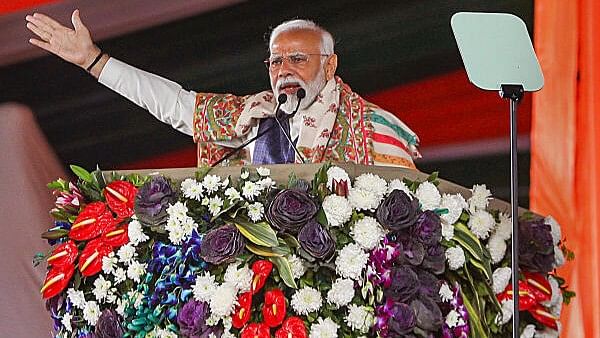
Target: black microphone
[(300, 94), (281, 99)]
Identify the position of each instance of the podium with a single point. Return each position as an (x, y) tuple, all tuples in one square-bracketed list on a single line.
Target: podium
[(291, 251)]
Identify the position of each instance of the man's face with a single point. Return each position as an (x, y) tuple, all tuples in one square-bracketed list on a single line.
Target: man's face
[(299, 63)]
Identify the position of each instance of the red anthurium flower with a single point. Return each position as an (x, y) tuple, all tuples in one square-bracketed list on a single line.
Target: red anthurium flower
[(57, 280), (261, 269), (274, 308), (544, 316), (293, 327), (540, 287), (90, 261), (91, 222), (526, 297), (256, 330), (120, 196), (116, 236), (242, 311), (64, 254)]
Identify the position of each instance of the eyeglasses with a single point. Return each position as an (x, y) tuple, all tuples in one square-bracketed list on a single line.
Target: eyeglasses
[(298, 60)]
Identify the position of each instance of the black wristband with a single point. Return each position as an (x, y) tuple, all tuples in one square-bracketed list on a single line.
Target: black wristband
[(89, 68)]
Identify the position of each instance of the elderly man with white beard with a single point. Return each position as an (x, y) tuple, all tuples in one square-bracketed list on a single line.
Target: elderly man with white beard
[(331, 123)]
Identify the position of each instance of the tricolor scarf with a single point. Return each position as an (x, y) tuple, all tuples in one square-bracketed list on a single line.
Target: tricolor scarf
[(339, 126)]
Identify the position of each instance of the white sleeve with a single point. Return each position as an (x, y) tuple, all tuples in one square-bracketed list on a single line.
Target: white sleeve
[(164, 99)]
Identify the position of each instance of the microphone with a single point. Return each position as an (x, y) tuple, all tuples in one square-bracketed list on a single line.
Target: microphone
[(300, 94), (281, 99)]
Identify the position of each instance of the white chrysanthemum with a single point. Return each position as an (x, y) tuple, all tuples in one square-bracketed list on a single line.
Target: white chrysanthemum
[(455, 257), (362, 199), (214, 205), (454, 319), (306, 300), (136, 233), (547, 333), (136, 270), (445, 293), (429, 196), (192, 189), (338, 174), (455, 205), (241, 278), (245, 174), (480, 198), (120, 275), (211, 183), (177, 210), (481, 223), (447, 231), (205, 201), (223, 300), (556, 297), (397, 184), (91, 312), (528, 331), (101, 288), (500, 279), (360, 318), (161, 333), (176, 235), (367, 232), (126, 253), (256, 211), (109, 263), (262, 171), (373, 183), (504, 227), (204, 287), (337, 210), (77, 298), (506, 314), (341, 292), (324, 329), (497, 248), (233, 194), (554, 229), (266, 183), (297, 266), (559, 257), (66, 321), (351, 261), (188, 225), (250, 190)]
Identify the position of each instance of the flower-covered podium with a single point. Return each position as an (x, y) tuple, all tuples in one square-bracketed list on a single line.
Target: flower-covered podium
[(293, 251)]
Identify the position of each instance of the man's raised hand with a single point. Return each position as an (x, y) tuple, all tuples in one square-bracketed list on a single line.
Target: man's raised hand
[(73, 45)]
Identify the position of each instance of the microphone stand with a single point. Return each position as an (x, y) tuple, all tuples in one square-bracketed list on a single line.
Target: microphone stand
[(301, 93)]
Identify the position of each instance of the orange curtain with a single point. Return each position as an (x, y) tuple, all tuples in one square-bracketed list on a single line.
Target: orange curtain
[(565, 147)]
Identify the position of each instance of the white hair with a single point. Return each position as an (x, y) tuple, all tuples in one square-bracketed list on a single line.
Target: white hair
[(297, 25)]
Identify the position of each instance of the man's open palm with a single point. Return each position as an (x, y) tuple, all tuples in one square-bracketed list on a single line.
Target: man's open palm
[(73, 45)]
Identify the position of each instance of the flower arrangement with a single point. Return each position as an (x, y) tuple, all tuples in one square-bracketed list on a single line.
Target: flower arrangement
[(210, 256)]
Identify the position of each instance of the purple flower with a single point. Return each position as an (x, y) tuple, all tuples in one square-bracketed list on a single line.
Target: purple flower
[(434, 260), (222, 244), (316, 240), (429, 285), (429, 316), (152, 201), (413, 251), (291, 209), (428, 228), (192, 320), (404, 284), (536, 249), (109, 325), (398, 211), (402, 320)]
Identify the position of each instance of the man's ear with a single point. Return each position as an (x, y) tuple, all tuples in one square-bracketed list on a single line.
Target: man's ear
[(330, 67)]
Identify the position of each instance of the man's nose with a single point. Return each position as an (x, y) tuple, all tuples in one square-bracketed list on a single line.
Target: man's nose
[(286, 68)]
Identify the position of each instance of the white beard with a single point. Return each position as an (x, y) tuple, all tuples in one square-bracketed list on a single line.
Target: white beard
[(312, 88)]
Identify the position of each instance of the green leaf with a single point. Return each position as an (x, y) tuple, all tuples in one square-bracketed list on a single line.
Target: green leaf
[(477, 329), (320, 177), (468, 241), (291, 241), (55, 234), (81, 173), (285, 271), (202, 171), (258, 233), (262, 250)]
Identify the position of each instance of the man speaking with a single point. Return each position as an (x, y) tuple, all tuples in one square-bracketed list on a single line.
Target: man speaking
[(310, 115)]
